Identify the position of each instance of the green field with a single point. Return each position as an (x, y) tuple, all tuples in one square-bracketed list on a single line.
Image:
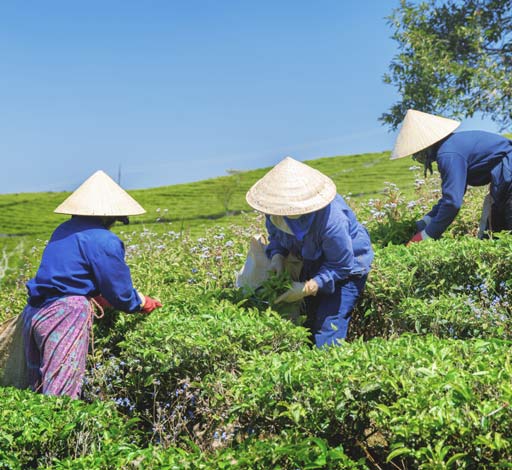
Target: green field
[(221, 379), (200, 204)]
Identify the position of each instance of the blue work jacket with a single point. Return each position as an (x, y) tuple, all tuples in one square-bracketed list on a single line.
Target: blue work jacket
[(83, 258), (335, 247), (474, 158)]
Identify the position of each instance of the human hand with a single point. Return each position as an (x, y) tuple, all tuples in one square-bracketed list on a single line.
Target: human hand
[(277, 264), (102, 301), (298, 291), (150, 304), (418, 237)]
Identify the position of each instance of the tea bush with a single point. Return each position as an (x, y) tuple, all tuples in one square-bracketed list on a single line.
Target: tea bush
[(265, 296), (130, 457), (459, 288), (158, 367), (221, 379), (36, 429), (421, 402), (283, 453)]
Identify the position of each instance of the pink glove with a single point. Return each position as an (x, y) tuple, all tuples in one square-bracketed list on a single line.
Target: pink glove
[(419, 237), (150, 304)]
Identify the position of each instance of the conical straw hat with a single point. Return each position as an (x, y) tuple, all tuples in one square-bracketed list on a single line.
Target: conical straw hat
[(100, 195), (419, 131), (291, 188)]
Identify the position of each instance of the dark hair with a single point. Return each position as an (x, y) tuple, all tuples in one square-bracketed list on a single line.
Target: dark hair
[(108, 221), (432, 154)]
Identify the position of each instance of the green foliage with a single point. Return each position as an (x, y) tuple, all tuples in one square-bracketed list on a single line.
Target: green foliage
[(283, 453), (157, 370), (273, 287), (421, 402), (129, 457), (286, 452), (220, 379), (37, 429), (194, 207), (227, 189), (391, 218), (265, 297), (454, 59), (454, 287)]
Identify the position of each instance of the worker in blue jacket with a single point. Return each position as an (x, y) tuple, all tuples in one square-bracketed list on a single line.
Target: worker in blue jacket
[(82, 261), (306, 218), (84, 258), (474, 158)]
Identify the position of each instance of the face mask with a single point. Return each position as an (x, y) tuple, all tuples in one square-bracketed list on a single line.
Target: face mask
[(280, 223)]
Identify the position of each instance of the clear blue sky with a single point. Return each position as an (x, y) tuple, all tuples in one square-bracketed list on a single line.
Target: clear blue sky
[(177, 91)]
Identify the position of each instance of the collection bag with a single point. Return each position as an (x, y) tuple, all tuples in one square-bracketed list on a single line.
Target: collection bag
[(13, 366), (256, 267)]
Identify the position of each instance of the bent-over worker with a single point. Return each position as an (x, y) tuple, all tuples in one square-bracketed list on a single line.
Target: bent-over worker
[(474, 158), (82, 260), (305, 217)]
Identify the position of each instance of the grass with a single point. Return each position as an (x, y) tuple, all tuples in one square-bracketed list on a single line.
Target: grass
[(27, 219), (194, 206)]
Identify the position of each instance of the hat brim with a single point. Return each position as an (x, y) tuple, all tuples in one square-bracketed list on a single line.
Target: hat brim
[(99, 195), (291, 188), (419, 131)]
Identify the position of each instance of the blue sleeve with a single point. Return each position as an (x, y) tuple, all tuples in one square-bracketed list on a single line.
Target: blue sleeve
[(420, 225), (434, 211), (273, 247), (338, 256), (453, 169), (113, 276)]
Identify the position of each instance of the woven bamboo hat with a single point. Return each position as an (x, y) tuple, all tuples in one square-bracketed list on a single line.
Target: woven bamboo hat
[(291, 188), (100, 195), (419, 131)]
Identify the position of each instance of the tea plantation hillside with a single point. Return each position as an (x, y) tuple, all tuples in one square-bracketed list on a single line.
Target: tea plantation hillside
[(221, 379), (204, 203)]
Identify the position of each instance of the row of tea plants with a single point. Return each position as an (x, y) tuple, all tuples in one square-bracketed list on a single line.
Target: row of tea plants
[(219, 379)]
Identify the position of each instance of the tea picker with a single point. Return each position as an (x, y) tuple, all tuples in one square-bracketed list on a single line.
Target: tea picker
[(473, 158), (82, 260), (305, 218)]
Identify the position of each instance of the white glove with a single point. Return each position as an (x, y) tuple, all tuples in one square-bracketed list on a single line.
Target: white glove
[(298, 291), (277, 264)]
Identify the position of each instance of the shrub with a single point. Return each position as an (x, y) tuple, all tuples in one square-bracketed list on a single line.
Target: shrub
[(218, 380), (409, 289), (278, 452), (419, 401), (286, 452), (37, 429), (129, 457), (159, 367)]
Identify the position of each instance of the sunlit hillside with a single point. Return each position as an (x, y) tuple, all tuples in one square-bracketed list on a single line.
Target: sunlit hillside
[(210, 202)]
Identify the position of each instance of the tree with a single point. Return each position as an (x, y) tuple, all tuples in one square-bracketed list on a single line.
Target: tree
[(227, 189), (455, 59)]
